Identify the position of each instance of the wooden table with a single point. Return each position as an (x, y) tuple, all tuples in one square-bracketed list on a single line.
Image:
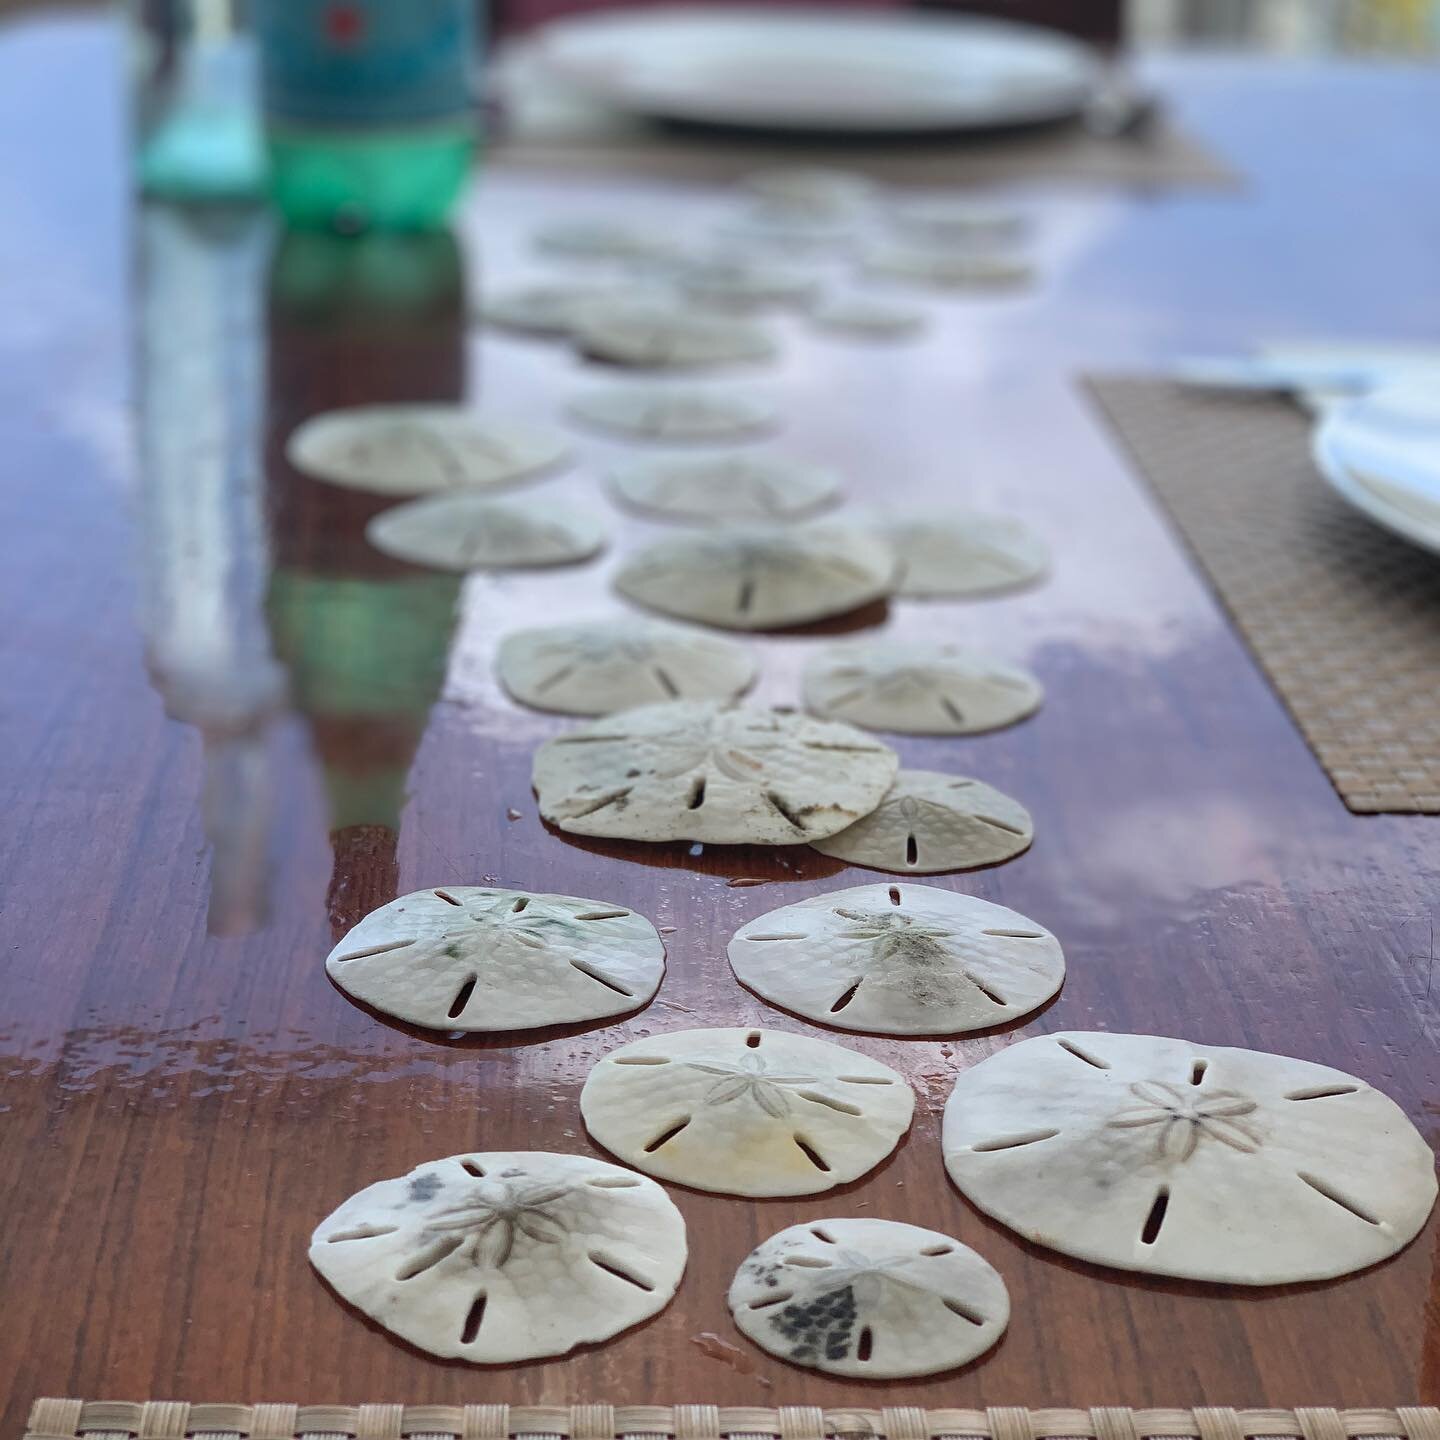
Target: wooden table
[(178, 1108)]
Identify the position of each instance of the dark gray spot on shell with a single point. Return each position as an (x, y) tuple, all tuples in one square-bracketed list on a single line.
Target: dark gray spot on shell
[(424, 1187), (818, 1328)]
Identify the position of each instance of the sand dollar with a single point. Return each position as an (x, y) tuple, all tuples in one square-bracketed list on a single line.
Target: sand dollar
[(867, 317), (1185, 1159), (654, 412), (601, 239), (746, 1112), (601, 666), (499, 1257), (942, 268), (463, 957), (873, 1299), (945, 552), (746, 282), (726, 774), (549, 309), (742, 486), (420, 449), (657, 336), (469, 532), (922, 688), (760, 578), (899, 960), (929, 823)]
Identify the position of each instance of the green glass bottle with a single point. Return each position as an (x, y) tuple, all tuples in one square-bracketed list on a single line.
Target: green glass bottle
[(369, 110)]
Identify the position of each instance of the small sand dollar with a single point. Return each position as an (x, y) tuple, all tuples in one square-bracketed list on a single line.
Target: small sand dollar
[(743, 486), (657, 336), (746, 1112), (468, 532), (653, 412), (549, 309), (505, 1256), (603, 239), (760, 578), (602, 666), (872, 1299), (463, 957), (725, 774), (941, 268), (940, 220), (867, 317), (420, 449), (1185, 1159), (813, 191), (746, 282), (899, 960), (924, 688), (947, 553), (930, 823)]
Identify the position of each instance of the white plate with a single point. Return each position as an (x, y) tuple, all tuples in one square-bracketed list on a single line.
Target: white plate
[(1381, 453), (816, 70)]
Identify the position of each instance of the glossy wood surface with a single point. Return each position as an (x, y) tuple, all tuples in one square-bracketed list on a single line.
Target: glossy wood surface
[(179, 1107)]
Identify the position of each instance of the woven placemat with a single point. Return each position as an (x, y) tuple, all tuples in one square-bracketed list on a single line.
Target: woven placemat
[(541, 126), (1342, 616), (174, 1420)]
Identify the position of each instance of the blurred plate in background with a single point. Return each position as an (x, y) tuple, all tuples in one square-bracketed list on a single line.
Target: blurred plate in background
[(811, 70)]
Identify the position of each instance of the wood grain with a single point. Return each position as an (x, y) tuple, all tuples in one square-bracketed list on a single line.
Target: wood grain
[(178, 1108)]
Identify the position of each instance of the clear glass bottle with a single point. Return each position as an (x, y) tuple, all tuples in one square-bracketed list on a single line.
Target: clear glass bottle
[(369, 106)]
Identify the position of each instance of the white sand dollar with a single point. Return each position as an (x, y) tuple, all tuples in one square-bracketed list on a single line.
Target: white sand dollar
[(760, 578), (600, 666), (654, 412), (1185, 1159), (470, 532), (602, 239), (549, 309), (946, 552), (420, 449), (746, 1112), (463, 957), (923, 688), (746, 282), (929, 823), (657, 336), (814, 191), (899, 960), (867, 317), (742, 486), (724, 774), (940, 220), (498, 1257), (947, 269), (873, 1299)]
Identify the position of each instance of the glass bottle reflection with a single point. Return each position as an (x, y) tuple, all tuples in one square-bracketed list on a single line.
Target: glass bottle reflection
[(365, 638)]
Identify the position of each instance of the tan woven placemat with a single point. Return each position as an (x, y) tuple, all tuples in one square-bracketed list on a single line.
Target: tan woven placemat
[(543, 127), (174, 1420), (1342, 616)]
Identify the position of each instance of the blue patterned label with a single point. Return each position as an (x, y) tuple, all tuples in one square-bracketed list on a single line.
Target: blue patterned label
[(366, 63)]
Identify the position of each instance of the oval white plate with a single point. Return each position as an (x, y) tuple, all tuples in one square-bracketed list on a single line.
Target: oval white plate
[(811, 69)]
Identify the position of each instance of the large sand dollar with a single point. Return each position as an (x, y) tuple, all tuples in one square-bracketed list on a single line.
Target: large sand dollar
[(469, 532), (948, 553), (746, 1112), (899, 960), (657, 336), (727, 774), (1186, 1159), (674, 413), (743, 486), (869, 1298), (600, 666), (465, 957), (756, 578), (919, 688), (499, 1257), (420, 449)]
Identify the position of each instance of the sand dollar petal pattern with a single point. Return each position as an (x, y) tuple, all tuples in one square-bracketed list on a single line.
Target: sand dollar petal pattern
[(725, 774), (746, 1112), (929, 823), (729, 487), (1177, 1158), (657, 336), (921, 688), (674, 413), (600, 666), (469, 532), (760, 578), (420, 449), (899, 960), (499, 1257), (464, 957), (954, 553), (873, 1299)]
